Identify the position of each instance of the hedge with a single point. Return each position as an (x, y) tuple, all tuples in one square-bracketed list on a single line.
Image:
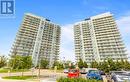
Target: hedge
[(76, 80)]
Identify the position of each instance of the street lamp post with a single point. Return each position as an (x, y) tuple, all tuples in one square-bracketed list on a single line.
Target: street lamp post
[(64, 62), (8, 67), (39, 67)]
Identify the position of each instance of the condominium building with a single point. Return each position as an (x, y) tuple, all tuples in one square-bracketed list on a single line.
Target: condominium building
[(39, 38), (97, 39)]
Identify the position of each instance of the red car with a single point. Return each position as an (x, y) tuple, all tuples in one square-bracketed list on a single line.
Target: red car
[(73, 73)]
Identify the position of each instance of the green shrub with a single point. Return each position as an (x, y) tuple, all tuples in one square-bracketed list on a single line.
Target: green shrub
[(75, 80)]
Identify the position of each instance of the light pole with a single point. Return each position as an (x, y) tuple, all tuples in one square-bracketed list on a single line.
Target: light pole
[(8, 67), (39, 67), (64, 62)]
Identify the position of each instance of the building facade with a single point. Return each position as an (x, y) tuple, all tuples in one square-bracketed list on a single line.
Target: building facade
[(39, 38), (97, 39)]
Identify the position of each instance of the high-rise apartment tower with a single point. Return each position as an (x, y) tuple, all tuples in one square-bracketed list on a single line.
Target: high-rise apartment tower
[(97, 39), (39, 38)]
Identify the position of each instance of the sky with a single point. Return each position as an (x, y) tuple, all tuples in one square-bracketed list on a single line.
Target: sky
[(65, 13)]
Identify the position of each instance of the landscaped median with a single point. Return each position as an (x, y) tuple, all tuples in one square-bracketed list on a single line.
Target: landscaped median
[(19, 77), (76, 80)]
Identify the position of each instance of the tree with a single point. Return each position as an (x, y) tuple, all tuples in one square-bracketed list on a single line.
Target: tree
[(26, 62), (122, 64), (44, 63), (66, 64), (94, 64), (100, 66), (85, 64), (72, 65), (104, 66), (82, 64), (2, 61), (107, 66), (111, 65), (20, 62), (58, 64), (14, 62), (118, 65), (127, 65)]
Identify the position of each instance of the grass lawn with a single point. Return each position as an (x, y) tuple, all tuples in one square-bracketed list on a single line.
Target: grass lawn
[(19, 77), (6, 70)]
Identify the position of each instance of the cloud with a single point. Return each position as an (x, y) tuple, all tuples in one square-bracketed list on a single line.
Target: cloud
[(67, 32), (68, 54), (124, 28), (67, 42), (124, 24)]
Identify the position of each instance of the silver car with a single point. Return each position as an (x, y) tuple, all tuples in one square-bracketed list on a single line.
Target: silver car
[(66, 70), (120, 76)]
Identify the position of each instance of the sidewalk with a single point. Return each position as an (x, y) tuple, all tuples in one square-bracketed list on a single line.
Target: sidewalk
[(48, 80)]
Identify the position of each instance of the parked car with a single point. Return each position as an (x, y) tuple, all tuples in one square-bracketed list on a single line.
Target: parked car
[(83, 71), (73, 73), (94, 74), (102, 72), (66, 70), (120, 76)]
